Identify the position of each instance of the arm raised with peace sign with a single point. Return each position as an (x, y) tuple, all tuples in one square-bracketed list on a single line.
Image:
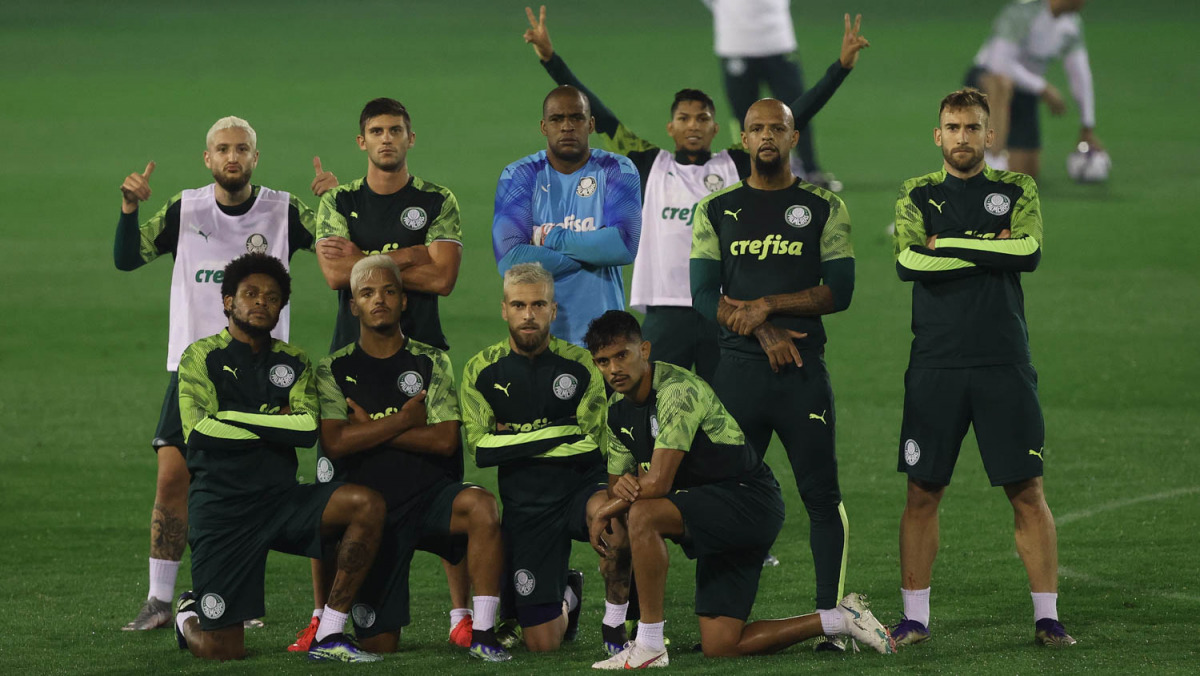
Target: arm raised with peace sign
[(852, 42), (136, 189), (537, 35)]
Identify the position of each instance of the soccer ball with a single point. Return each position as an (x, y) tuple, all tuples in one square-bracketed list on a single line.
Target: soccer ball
[(1087, 165)]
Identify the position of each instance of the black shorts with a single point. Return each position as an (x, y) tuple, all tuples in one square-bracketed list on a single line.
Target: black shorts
[(1024, 132), (728, 528), (382, 604), (229, 552), (170, 426), (1001, 402), (796, 404), (545, 508), (683, 337)]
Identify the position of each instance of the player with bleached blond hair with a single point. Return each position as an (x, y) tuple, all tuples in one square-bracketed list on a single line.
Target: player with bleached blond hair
[(203, 229)]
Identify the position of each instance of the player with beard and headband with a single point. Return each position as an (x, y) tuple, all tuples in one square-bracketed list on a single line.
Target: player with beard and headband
[(247, 401), (779, 250), (964, 235), (672, 183), (390, 421), (203, 229), (533, 406), (679, 468), (574, 210), (416, 224)]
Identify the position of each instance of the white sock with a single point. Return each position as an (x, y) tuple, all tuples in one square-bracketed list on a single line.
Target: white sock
[(484, 617), (614, 615), (332, 622), (162, 579), (1045, 605), (833, 623), (916, 605), (318, 612), (651, 635), (457, 615), (180, 618), (570, 599)]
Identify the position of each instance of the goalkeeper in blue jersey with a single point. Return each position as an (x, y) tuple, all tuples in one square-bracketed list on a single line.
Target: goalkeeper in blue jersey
[(575, 210)]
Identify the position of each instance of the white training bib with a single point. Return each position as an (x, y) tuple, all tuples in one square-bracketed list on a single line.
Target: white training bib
[(208, 240), (661, 270)]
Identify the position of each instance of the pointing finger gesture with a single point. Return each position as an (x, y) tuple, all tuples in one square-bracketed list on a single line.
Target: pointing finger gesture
[(324, 181), (136, 188), (537, 35)]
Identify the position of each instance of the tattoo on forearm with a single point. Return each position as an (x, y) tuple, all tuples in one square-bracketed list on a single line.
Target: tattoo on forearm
[(817, 300), (168, 534)]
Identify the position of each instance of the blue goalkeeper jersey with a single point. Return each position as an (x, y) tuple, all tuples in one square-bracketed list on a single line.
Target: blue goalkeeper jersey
[(595, 219)]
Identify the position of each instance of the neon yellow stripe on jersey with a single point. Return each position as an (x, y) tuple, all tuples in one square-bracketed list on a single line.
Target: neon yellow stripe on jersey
[(298, 422), (584, 445), (504, 440), (916, 261), (1022, 246), (216, 429)]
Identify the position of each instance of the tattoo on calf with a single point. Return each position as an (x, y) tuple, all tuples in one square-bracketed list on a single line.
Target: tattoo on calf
[(352, 559), (168, 534)]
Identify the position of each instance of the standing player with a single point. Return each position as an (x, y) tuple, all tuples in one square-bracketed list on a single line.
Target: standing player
[(779, 249), (572, 209), (203, 229), (963, 236), (389, 421), (756, 42), (533, 406), (680, 468), (672, 184), (416, 224), (247, 401), (1010, 68)]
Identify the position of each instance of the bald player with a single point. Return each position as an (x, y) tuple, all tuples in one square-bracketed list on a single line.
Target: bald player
[(770, 255)]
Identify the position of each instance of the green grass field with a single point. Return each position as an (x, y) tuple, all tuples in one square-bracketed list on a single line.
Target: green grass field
[(92, 91)]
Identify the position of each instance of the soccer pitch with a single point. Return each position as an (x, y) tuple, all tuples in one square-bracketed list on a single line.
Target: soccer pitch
[(92, 91)]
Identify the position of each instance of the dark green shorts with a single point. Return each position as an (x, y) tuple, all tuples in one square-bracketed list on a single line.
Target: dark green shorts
[(383, 600), (1024, 130), (545, 508), (170, 426), (729, 528), (229, 553), (683, 337), (1001, 402), (796, 404)]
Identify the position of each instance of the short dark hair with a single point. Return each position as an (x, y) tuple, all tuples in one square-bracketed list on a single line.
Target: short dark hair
[(382, 106), (967, 97), (252, 264), (692, 95), (567, 90), (610, 328)]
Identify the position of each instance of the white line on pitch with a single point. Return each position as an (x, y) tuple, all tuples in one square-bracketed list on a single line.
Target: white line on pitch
[(1101, 582), (1119, 504)]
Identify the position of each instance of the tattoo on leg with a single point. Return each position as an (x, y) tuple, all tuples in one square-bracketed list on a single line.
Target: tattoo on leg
[(168, 534), (615, 569), (352, 561)]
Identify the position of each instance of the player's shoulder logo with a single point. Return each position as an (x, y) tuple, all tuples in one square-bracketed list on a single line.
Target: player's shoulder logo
[(364, 615), (797, 216), (324, 470), (524, 581), (714, 182), (653, 426), (281, 375), (565, 385), (256, 243), (586, 187), (997, 204), (912, 452), (414, 218), (212, 605), (410, 383)]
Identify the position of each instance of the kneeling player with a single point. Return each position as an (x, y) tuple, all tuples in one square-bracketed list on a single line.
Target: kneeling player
[(246, 402), (389, 418), (680, 469), (533, 405)]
